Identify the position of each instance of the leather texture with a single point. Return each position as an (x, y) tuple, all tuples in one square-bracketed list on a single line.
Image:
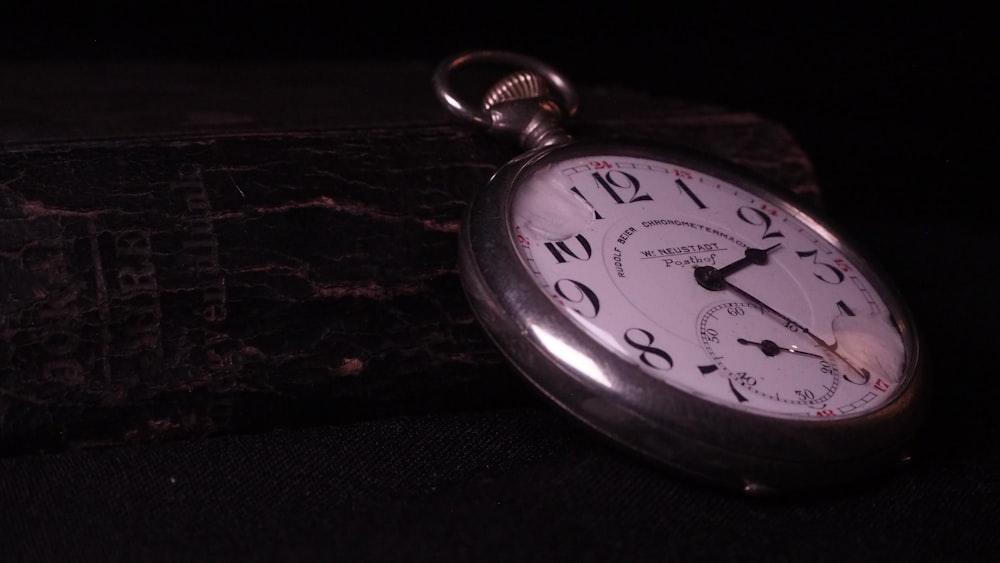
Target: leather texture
[(171, 279)]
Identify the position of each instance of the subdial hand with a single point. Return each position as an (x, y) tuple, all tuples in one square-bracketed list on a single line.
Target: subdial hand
[(863, 373), (771, 349), (714, 279)]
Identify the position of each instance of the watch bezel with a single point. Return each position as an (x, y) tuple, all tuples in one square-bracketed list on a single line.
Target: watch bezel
[(660, 421)]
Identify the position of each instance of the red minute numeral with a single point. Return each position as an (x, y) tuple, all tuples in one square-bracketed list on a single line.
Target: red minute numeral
[(825, 412), (683, 174), (768, 209), (521, 238), (842, 264), (881, 385), (600, 164)]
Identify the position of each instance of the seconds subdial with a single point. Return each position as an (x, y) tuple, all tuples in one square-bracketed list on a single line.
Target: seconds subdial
[(772, 360)]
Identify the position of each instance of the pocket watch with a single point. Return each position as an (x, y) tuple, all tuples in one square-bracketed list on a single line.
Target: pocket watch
[(679, 305)]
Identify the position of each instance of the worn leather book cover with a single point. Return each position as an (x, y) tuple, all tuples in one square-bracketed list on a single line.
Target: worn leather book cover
[(192, 249)]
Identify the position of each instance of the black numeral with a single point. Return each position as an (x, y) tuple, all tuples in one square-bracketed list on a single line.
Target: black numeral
[(844, 308), (805, 394), (579, 251), (656, 358), (756, 217), (824, 275), (744, 379), (711, 335), (687, 191), (739, 396), (579, 294), (614, 181)]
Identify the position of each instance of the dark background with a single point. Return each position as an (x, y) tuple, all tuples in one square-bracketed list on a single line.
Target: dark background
[(903, 93), (892, 105)]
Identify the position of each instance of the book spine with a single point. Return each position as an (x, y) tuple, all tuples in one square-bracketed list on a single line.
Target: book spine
[(170, 288)]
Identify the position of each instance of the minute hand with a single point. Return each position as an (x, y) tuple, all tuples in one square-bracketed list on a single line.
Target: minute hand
[(831, 348)]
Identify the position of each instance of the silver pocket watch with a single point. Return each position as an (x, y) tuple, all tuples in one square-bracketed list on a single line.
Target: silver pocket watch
[(679, 305)]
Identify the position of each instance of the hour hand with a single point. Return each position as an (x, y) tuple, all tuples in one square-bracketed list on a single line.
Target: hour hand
[(714, 279)]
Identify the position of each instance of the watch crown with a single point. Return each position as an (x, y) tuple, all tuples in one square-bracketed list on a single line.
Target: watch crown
[(520, 104), (520, 85)]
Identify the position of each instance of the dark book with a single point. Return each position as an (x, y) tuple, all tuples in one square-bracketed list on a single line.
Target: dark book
[(190, 250)]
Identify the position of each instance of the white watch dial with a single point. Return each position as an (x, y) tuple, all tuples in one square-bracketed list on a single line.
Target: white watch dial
[(726, 293)]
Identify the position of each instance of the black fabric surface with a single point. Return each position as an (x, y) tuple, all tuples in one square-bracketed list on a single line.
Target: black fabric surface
[(899, 99), (515, 484)]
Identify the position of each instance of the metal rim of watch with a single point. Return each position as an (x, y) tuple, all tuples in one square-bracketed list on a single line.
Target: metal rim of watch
[(693, 435)]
